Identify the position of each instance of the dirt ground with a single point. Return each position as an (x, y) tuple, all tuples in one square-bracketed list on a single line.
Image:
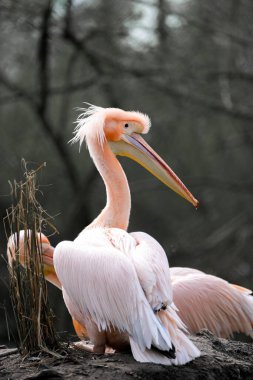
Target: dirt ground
[(221, 359)]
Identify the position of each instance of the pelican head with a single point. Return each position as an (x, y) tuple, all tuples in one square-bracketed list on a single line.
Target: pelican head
[(123, 130), (19, 247)]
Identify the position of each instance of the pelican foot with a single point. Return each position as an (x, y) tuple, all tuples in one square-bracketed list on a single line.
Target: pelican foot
[(83, 346), (95, 349), (109, 350)]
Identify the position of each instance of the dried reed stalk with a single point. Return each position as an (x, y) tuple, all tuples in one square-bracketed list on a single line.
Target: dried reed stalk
[(28, 289)]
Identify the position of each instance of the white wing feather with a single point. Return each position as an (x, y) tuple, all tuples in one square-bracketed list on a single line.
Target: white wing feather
[(103, 286), (113, 278), (152, 268), (150, 262), (153, 271)]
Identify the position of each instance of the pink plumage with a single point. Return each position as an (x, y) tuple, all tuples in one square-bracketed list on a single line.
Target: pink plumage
[(209, 302)]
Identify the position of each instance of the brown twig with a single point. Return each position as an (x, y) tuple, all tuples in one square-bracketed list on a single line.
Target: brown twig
[(28, 289)]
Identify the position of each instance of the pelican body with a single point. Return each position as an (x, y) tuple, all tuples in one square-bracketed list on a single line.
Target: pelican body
[(203, 301), (117, 285)]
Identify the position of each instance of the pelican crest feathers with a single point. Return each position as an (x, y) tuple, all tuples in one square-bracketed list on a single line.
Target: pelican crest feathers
[(93, 118)]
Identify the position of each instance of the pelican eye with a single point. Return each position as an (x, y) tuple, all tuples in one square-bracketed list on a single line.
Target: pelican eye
[(126, 125)]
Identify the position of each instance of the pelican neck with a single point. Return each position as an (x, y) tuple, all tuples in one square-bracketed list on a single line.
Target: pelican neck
[(118, 204)]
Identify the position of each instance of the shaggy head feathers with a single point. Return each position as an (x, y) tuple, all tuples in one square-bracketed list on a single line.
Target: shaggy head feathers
[(90, 123)]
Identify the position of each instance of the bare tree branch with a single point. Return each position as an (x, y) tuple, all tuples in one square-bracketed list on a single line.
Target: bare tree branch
[(81, 215), (175, 93), (204, 101), (80, 45), (231, 74), (56, 139), (63, 119), (43, 57), (21, 94), (242, 40), (17, 90), (162, 28)]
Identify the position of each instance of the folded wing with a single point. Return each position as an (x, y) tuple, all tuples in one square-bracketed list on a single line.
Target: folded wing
[(101, 284), (206, 301), (153, 271)]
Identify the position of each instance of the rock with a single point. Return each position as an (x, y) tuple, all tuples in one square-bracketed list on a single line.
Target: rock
[(220, 359), (8, 351), (45, 374)]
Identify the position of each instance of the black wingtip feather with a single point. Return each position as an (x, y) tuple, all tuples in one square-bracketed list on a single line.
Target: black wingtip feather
[(171, 354)]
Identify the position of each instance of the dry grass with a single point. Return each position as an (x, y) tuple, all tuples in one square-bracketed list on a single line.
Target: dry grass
[(28, 288)]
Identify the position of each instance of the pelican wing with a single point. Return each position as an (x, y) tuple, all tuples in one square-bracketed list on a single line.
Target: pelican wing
[(101, 284), (206, 301), (152, 268)]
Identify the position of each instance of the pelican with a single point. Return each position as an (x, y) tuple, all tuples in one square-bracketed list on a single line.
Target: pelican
[(116, 285), (203, 301)]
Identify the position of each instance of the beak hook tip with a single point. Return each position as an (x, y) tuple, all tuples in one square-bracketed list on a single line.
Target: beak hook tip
[(196, 205)]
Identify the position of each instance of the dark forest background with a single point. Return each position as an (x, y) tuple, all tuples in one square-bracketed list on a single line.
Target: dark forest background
[(188, 64)]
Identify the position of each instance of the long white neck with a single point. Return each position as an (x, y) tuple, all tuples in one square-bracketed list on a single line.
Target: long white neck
[(117, 210)]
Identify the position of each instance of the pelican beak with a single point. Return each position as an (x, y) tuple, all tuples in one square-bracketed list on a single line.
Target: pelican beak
[(46, 250), (47, 255), (48, 264), (136, 148)]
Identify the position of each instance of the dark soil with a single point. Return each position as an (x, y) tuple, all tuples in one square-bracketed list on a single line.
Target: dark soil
[(221, 359)]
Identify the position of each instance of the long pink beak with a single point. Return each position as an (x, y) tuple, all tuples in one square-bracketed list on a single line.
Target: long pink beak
[(135, 147)]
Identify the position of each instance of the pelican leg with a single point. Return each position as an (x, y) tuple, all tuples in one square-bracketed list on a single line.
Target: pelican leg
[(84, 346), (109, 350), (96, 349)]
